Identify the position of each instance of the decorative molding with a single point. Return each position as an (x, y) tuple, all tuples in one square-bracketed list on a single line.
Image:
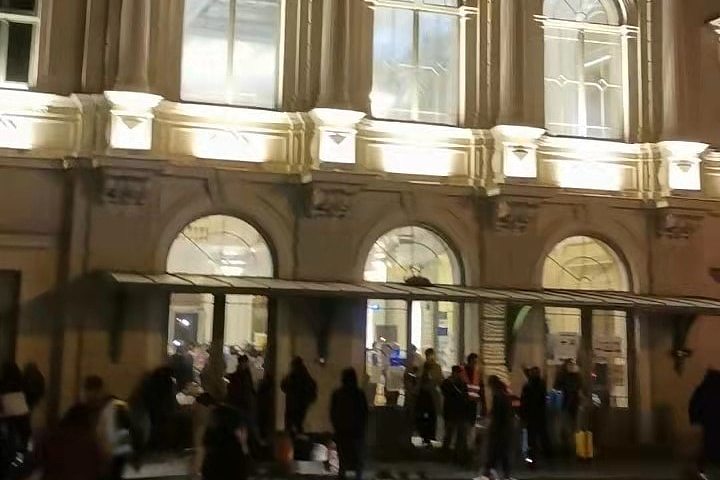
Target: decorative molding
[(512, 216), (329, 201), (124, 188), (674, 225), (715, 25)]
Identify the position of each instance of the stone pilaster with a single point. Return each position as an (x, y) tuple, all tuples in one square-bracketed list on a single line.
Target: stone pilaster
[(493, 339), (132, 74)]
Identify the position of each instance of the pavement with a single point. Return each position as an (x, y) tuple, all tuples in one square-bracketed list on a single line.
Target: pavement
[(177, 468)]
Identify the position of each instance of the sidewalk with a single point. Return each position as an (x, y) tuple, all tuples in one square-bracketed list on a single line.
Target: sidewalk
[(173, 469)]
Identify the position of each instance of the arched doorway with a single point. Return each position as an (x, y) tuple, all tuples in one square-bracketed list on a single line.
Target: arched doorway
[(596, 340), (397, 332), (226, 246)]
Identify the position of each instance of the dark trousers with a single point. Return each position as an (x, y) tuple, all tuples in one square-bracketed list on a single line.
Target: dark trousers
[(456, 432), (538, 439), (295, 421), (351, 453), (117, 468), (498, 453)]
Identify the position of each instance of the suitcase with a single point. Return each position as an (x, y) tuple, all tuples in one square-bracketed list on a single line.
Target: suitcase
[(584, 445)]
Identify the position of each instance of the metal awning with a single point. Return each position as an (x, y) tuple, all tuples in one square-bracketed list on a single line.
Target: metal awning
[(275, 287)]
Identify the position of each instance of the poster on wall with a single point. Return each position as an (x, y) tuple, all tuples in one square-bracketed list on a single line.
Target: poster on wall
[(563, 346), (607, 348)]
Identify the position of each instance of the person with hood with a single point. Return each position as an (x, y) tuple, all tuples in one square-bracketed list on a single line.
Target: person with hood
[(532, 413), (456, 404), (705, 412), (226, 454), (300, 392), (500, 430), (349, 414)]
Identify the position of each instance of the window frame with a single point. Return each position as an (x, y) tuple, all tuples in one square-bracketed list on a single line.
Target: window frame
[(461, 12), (280, 60), (623, 32), (33, 18)]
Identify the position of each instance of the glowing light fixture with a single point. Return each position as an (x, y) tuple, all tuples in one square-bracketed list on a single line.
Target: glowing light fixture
[(131, 119), (418, 160), (230, 144), (516, 150), (589, 174), (335, 134), (683, 164)]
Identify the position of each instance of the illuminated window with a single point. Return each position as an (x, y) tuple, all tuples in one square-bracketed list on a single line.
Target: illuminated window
[(584, 263), (19, 26), (584, 68), (396, 338), (416, 57), (223, 246), (231, 52)]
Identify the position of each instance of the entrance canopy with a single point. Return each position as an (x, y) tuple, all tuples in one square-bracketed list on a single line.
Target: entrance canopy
[(273, 287)]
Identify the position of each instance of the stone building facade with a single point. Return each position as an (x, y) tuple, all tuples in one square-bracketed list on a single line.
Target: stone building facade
[(104, 162)]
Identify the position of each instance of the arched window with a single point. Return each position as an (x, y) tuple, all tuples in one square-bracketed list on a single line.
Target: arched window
[(584, 263), (392, 331), (231, 52), (225, 246), (584, 79), (416, 58)]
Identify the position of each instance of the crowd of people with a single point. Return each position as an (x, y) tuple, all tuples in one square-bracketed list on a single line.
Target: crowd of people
[(100, 435)]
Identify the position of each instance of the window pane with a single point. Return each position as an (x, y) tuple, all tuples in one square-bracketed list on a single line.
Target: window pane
[(18, 5), (393, 64), (442, 3), (562, 54), (415, 67), (255, 62), (438, 68), (603, 81), (19, 48), (205, 49), (610, 358)]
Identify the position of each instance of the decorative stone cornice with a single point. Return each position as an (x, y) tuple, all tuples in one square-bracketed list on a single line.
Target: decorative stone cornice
[(512, 216), (329, 201), (123, 188), (715, 25), (675, 225)]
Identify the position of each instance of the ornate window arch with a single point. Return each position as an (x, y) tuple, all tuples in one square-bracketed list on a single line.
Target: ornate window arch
[(224, 246), (393, 330), (418, 56), (586, 65)]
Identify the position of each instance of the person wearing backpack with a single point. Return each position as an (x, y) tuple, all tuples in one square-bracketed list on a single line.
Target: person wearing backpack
[(113, 426)]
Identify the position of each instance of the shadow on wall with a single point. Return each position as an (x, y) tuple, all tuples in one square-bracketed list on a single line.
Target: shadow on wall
[(672, 391), (89, 327)]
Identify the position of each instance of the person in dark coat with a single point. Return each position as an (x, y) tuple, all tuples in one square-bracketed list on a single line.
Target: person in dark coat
[(34, 383), (425, 408), (456, 407), (533, 414), (72, 450), (300, 392), (225, 442), (181, 364), (265, 403), (705, 411), (569, 382), (241, 395), (349, 414), (500, 431)]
